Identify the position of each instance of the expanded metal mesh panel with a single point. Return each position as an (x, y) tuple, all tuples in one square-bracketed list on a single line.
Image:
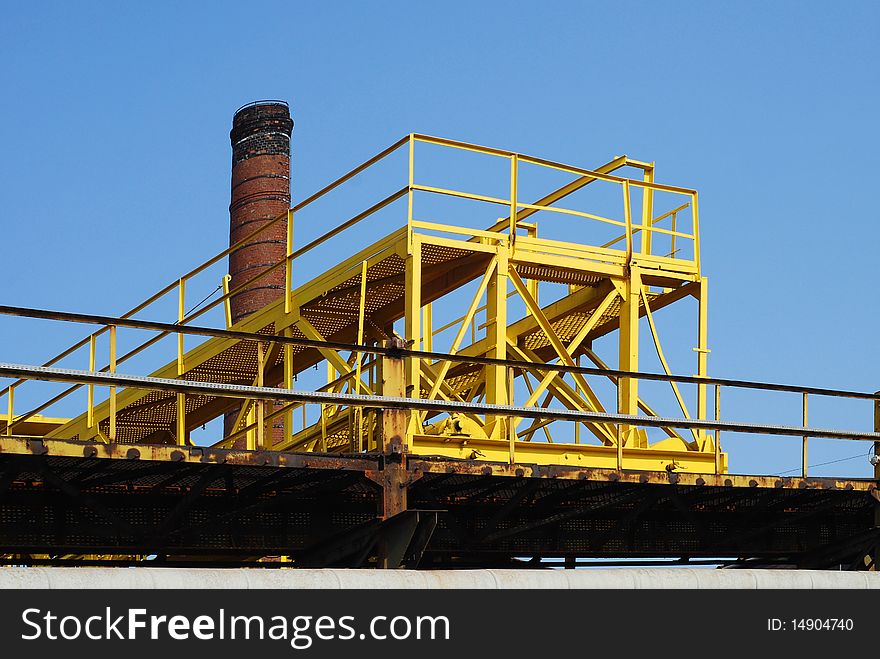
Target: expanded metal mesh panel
[(434, 254), (567, 327), (556, 275), (463, 378), (152, 418)]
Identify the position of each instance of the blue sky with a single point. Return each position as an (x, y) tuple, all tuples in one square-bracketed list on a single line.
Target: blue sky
[(115, 168)]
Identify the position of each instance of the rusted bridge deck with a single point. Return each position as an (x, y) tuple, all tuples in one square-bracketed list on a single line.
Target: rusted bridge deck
[(221, 506)]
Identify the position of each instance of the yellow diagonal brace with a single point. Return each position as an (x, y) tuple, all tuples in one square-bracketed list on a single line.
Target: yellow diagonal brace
[(663, 361), (564, 393), (243, 412), (466, 321), (527, 434), (574, 344), (445, 392), (246, 404), (643, 406), (557, 344), (538, 425), (331, 356)]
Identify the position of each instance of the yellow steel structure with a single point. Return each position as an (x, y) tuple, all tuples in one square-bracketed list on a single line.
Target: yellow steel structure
[(537, 284)]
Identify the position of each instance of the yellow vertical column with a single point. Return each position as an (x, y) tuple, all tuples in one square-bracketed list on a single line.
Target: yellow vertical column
[(496, 333), (628, 387), (532, 284), (357, 432), (427, 328), (413, 283), (702, 350), (288, 384), (412, 321)]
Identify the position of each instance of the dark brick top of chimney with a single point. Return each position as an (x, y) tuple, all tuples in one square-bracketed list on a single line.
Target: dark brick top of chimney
[(260, 129)]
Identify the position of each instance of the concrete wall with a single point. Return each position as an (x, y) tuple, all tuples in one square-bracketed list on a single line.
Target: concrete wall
[(625, 578)]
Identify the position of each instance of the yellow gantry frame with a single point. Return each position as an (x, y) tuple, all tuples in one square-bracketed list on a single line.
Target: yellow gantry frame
[(612, 286)]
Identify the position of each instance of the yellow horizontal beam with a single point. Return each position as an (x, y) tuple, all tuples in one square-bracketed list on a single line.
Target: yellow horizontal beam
[(568, 211), (575, 455), (35, 426), (459, 193), (449, 228), (574, 472)]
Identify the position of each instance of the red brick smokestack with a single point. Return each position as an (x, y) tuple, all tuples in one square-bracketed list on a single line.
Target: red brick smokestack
[(260, 192), (260, 139)]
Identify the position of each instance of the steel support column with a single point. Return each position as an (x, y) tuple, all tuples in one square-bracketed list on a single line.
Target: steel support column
[(393, 476), (496, 333), (629, 350)]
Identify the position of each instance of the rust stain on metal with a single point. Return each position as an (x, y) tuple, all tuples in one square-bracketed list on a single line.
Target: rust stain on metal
[(193, 454), (481, 468), (415, 467)]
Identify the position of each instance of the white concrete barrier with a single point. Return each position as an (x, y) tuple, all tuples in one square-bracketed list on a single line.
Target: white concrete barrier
[(279, 579)]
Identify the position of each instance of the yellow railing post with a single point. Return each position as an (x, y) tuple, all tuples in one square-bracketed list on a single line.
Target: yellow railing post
[(288, 265), (696, 215), (647, 212), (259, 441), (877, 448), (514, 175), (804, 442), (411, 179), (112, 433), (288, 384), (627, 218), (181, 398), (717, 431), (227, 304), (672, 249), (875, 552), (90, 414), (620, 435), (10, 407)]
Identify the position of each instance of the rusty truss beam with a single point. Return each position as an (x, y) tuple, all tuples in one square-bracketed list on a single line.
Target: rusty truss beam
[(234, 507)]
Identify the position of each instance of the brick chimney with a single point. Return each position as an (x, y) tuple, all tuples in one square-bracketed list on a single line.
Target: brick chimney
[(260, 192), (260, 139)]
